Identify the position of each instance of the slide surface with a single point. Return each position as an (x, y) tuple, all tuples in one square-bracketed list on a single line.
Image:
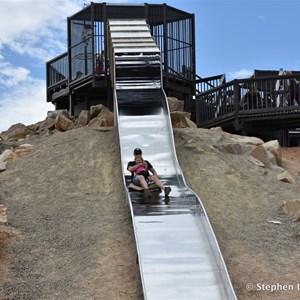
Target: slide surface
[(178, 254)]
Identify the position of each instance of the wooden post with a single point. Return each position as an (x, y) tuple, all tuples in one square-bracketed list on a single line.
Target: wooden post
[(71, 104)]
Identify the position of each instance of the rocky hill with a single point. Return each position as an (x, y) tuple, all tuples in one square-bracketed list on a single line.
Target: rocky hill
[(68, 229)]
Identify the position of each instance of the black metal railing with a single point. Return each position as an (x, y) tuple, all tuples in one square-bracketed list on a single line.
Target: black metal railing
[(57, 70), (232, 99), (172, 29)]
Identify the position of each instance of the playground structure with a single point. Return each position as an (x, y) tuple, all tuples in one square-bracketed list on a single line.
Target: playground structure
[(81, 77)]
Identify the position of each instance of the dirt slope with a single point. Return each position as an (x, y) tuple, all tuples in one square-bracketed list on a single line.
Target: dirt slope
[(67, 199)]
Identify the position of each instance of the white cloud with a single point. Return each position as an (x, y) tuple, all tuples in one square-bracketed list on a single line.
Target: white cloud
[(30, 29), (240, 74), (22, 97), (40, 31), (263, 18), (26, 104), (11, 76)]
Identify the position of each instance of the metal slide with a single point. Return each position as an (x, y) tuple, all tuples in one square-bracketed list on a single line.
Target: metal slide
[(178, 255)]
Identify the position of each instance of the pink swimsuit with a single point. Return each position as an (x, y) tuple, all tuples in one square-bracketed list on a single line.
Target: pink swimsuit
[(139, 169)]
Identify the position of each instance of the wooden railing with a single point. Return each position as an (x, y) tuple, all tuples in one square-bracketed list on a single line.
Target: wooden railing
[(229, 100), (204, 84)]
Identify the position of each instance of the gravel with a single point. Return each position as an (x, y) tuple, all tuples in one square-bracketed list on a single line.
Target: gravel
[(68, 201)]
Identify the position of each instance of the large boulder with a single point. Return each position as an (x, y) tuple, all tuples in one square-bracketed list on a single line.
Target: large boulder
[(266, 157), (95, 110), (106, 114), (83, 118), (2, 166), (274, 147), (104, 118), (175, 104), (4, 158), (233, 143), (291, 207), (98, 122), (21, 151), (63, 123), (47, 124), (181, 120), (287, 177), (5, 155), (16, 132), (3, 217), (240, 139)]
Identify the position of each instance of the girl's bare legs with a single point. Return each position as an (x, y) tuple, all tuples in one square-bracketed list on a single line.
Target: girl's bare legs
[(144, 185)]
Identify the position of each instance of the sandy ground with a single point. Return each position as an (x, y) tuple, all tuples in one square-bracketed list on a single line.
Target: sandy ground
[(68, 201)]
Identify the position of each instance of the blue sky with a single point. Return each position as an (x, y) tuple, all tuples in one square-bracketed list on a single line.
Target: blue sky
[(233, 37)]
